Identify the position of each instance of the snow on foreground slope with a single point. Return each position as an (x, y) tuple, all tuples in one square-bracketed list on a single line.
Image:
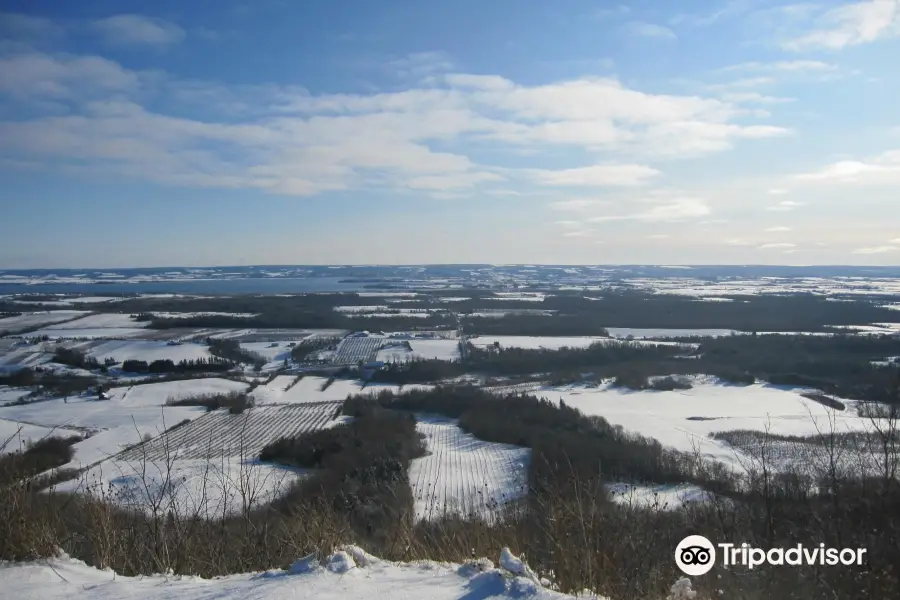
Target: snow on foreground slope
[(349, 574)]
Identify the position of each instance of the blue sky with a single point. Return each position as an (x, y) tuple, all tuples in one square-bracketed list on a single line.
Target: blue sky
[(279, 132)]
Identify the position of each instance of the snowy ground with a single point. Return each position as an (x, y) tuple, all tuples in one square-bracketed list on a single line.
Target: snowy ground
[(104, 321), (219, 433), (624, 332), (15, 436), (421, 349), (464, 475), (122, 350), (309, 390), (106, 325), (352, 349), (684, 419), (547, 342), (350, 574), (115, 424), (201, 487), (661, 497), (28, 320), (98, 333), (11, 394)]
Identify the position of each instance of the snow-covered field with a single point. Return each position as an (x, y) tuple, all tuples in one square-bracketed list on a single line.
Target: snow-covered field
[(201, 487), (185, 315), (123, 420), (349, 574), (660, 497), (220, 433), (15, 436), (309, 389), (29, 320), (684, 419), (421, 349), (529, 342), (106, 325), (104, 321), (122, 350), (272, 351), (11, 394), (464, 475), (99, 333), (624, 332), (353, 349)]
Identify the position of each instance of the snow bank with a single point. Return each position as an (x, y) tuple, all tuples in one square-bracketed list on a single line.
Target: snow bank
[(348, 574)]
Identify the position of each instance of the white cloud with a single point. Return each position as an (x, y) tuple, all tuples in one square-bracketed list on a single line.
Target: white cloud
[(419, 65), (883, 169), (780, 245), (649, 30), (33, 76), (569, 224), (579, 233), (27, 27), (754, 97), (851, 25), (597, 175), (785, 206), (784, 66), (138, 30), (779, 229), (479, 82), (577, 204), (725, 11), (674, 209), (659, 236), (617, 11), (287, 141), (895, 241), (777, 192), (877, 250)]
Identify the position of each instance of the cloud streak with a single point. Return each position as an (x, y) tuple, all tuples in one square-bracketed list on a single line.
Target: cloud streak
[(138, 30), (850, 25)]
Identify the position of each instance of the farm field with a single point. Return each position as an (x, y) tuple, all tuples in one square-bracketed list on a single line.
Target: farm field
[(352, 350), (206, 488), (104, 321), (123, 420), (462, 475), (624, 332), (421, 349), (220, 433), (529, 342), (684, 419), (309, 390), (40, 319), (122, 350), (15, 436)]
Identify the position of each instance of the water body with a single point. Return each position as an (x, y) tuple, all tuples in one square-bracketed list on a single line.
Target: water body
[(191, 286)]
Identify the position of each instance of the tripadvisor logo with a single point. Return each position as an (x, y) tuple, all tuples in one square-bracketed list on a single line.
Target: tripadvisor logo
[(695, 555)]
